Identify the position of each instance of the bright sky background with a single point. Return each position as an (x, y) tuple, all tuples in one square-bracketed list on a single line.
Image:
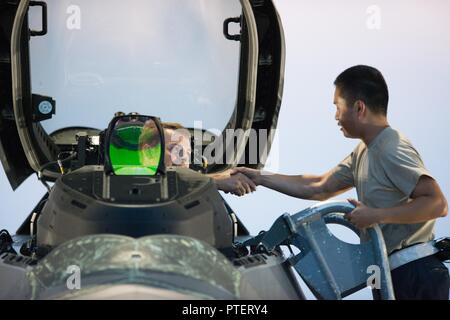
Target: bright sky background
[(409, 44)]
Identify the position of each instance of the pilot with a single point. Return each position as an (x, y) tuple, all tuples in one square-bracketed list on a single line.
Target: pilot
[(394, 188), (178, 153), (149, 145)]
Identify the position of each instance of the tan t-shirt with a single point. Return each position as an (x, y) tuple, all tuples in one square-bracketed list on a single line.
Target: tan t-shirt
[(385, 173)]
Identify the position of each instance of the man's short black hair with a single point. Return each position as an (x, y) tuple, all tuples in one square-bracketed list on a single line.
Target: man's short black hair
[(364, 83)]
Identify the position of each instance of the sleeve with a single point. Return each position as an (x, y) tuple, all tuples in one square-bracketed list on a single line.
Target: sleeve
[(343, 172), (403, 166)]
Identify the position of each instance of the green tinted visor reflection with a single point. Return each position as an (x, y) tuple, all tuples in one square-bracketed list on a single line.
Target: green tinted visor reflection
[(135, 147)]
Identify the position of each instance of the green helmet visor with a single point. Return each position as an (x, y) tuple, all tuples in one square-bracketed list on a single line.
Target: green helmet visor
[(134, 146)]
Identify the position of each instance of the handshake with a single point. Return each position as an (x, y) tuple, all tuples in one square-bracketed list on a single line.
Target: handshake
[(238, 181)]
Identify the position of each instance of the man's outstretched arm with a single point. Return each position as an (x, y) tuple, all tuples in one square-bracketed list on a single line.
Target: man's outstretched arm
[(309, 187)]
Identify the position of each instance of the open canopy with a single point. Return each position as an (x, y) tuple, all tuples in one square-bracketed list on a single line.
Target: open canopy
[(205, 64)]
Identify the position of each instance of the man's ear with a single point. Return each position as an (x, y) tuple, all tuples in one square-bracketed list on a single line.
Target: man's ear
[(360, 108)]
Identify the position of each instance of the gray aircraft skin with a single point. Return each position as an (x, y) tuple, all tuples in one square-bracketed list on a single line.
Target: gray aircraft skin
[(100, 235)]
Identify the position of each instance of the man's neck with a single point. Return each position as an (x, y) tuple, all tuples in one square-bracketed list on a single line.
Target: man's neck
[(372, 131)]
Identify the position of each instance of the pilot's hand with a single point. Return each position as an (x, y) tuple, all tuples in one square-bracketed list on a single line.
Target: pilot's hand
[(237, 184), (252, 174)]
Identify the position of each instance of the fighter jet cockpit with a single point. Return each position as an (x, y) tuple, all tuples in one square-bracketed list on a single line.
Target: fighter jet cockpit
[(127, 189)]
